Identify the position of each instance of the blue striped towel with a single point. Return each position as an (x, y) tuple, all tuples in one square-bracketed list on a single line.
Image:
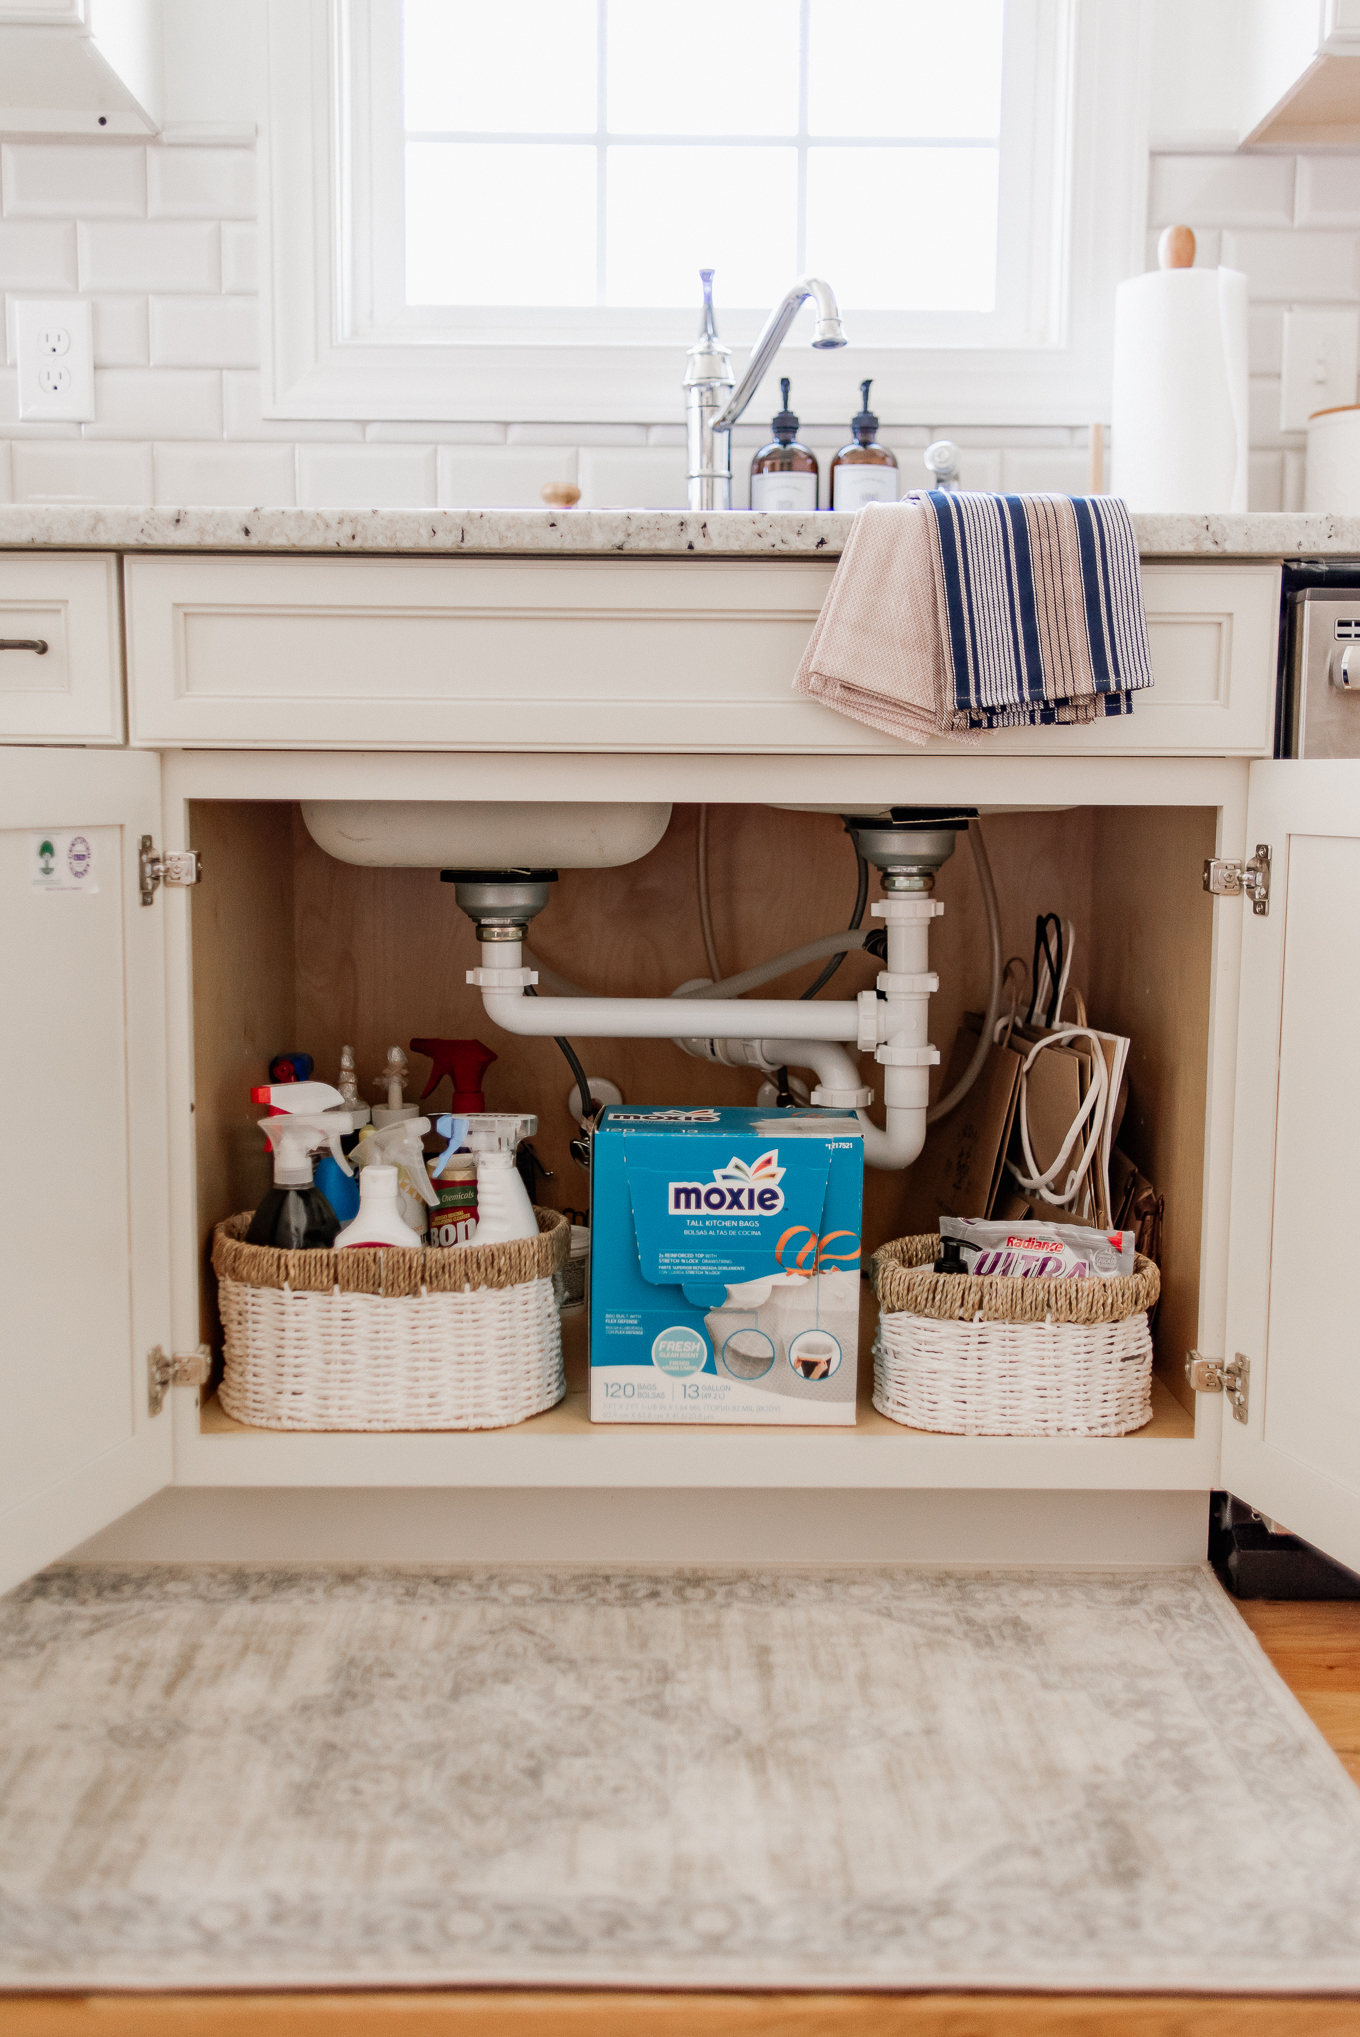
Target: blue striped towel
[(1040, 608)]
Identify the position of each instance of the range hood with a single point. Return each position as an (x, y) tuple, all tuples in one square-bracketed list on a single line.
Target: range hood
[(80, 67)]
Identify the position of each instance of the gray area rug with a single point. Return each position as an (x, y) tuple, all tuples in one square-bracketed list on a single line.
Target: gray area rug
[(838, 1778)]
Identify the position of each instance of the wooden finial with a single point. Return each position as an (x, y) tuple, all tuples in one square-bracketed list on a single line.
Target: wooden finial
[(1176, 248), (560, 494)]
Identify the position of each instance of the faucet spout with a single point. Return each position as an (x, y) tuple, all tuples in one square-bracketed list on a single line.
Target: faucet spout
[(708, 381)]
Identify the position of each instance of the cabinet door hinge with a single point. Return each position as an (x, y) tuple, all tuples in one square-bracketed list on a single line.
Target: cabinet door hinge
[(1211, 1375), (1246, 880), (183, 1369), (181, 866)]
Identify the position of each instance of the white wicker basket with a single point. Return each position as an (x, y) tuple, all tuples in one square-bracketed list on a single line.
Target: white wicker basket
[(1014, 1379), (301, 1354), (951, 1354)]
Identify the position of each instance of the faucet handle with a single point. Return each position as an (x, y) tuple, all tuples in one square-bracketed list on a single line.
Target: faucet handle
[(942, 461)]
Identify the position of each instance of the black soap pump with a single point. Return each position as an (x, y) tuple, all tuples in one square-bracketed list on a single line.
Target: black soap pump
[(784, 473), (863, 470)]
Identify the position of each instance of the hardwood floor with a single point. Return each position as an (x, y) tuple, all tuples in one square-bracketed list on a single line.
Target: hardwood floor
[(1316, 1649)]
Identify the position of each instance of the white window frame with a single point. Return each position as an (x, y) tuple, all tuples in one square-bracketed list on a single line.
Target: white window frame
[(338, 345)]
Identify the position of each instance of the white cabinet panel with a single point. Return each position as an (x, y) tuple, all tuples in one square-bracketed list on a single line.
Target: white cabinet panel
[(83, 1193), (72, 692), (1291, 1308), (606, 654)]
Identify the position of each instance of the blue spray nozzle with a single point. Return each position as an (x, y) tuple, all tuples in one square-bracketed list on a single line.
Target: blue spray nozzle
[(455, 1131)]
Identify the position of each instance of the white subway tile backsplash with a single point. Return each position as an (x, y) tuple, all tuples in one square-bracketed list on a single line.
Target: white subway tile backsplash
[(81, 472), (635, 477), (120, 332), (156, 403), (1046, 473), (1017, 436), (1294, 463), (242, 417), (1265, 481), (1265, 338), (664, 434), (259, 477), (37, 255), (240, 257), (1303, 268), (501, 477), (205, 332), (979, 468), (1221, 191), (103, 180), (367, 477), (400, 432), (1328, 191), (200, 183), (571, 434), (1263, 397), (6, 491), (149, 255)]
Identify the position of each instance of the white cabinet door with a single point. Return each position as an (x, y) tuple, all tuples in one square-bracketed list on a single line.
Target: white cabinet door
[(1293, 1304), (83, 1189)]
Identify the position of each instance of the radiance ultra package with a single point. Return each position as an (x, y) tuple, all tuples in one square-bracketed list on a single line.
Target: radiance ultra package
[(724, 1270)]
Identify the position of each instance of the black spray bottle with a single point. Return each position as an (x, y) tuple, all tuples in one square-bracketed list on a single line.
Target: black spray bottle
[(295, 1216)]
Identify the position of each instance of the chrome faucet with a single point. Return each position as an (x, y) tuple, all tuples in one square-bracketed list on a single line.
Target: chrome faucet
[(714, 400)]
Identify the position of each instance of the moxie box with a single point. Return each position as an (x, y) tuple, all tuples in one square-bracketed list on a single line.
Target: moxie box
[(724, 1274)]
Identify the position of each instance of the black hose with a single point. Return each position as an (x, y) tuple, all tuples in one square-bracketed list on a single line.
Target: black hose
[(856, 921), (569, 1052)]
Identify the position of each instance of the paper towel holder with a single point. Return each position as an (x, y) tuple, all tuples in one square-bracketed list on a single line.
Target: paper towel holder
[(1176, 248)]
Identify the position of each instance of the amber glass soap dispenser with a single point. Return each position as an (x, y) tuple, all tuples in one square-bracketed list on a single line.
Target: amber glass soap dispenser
[(863, 471), (784, 473)]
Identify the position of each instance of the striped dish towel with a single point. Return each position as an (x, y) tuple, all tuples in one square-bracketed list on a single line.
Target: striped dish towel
[(1040, 608), (951, 613)]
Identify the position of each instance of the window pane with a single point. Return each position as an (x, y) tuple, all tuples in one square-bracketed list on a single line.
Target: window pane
[(942, 56), (673, 211), (904, 229), (517, 67), (711, 67), (500, 223)]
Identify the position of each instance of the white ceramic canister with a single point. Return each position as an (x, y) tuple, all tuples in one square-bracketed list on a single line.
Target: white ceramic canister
[(1332, 475)]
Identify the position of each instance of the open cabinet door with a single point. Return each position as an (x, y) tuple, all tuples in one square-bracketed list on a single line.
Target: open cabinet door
[(1293, 1300), (84, 1257)]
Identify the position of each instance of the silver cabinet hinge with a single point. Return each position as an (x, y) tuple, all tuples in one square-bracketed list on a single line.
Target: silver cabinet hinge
[(1241, 880), (183, 1369), (1211, 1375), (180, 866)]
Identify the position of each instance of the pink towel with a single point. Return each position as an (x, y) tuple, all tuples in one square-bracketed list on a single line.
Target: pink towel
[(875, 650)]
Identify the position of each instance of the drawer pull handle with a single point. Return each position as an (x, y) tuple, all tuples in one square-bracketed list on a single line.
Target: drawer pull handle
[(38, 644)]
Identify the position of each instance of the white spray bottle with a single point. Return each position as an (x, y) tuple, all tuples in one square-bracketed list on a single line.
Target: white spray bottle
[(379, 1221), (398, 1145)]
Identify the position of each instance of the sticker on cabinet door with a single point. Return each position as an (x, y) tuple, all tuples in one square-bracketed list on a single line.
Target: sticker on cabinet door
[(62, 860)]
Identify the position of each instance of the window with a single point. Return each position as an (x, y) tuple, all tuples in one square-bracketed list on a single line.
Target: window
[(600, 152), (498, 208)]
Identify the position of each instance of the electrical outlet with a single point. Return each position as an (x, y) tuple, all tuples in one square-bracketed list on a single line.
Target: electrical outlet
[(56, 359), (1318, 368)]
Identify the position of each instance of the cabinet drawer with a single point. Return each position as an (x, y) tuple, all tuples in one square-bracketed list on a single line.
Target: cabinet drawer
[(72, 693), (604, 654)]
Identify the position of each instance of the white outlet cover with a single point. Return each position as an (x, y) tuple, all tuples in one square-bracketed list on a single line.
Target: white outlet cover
[(56, 359), (1319, 364)]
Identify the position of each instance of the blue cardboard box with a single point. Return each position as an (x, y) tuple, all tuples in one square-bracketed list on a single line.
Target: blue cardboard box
[(724, 1268)]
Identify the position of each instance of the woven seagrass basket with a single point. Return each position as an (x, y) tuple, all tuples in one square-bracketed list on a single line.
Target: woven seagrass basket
[(970, 1355), (466, 1337)]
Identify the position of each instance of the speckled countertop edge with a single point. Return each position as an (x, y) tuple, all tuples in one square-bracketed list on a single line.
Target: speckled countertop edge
[(594, 533)]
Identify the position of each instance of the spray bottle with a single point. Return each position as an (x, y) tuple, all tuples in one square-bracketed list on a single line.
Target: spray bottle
[(504, 1210), (398, 1146), (391, 1084), (453, 1221), (379, 1221), (464, 1062), (295, 1216)]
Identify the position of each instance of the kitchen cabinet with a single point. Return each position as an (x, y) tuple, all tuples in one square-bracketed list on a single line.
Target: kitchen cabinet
[(146, 1020), (607, 654), (70, 690)]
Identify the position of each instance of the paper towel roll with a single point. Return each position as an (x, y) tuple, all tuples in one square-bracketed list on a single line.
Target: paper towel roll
[(1179, 409), (1332, 475)]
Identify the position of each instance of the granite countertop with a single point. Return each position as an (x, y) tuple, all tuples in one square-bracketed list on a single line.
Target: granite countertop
[(603, 533)]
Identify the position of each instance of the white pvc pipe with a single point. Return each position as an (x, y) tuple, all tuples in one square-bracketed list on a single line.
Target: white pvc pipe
[(661, 1018), (899, 1140)]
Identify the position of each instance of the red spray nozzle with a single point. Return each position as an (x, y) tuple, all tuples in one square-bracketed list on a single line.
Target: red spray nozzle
[(464, 1062)]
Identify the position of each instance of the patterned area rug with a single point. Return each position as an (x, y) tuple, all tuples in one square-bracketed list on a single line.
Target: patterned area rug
[(839, 1778)]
